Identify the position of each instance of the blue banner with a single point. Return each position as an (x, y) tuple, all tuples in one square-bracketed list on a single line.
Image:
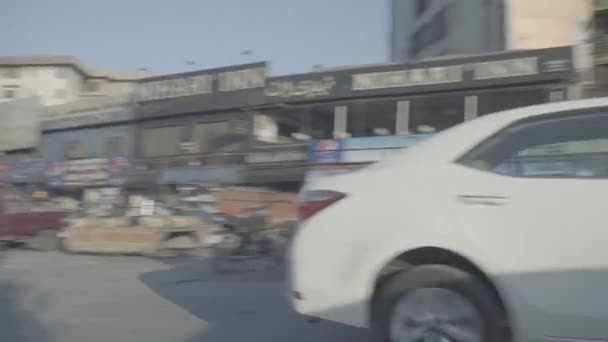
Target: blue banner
[(360, 150), (325, 151), (198, 175), (87, 172), (27, 171)]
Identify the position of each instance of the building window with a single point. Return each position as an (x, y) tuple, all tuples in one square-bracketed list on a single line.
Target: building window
[(373, 118), (430, 33), (278, 126), (115, 147), (62, 72), (491, 102), (211, 137), (74, 149), (321, 122), (11, 72), (60, 93), (161, 141), (436, 113)]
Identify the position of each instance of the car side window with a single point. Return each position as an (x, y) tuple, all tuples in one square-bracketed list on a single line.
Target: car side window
[(563, 146)]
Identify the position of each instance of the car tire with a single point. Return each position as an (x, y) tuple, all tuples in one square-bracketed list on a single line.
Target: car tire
[(492, 318), (47, 241)]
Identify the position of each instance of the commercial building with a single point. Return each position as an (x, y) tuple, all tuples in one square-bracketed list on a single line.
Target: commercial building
[(235, 125), (195, 127), (599, 39), (20, 125), (58, 80), (78, 150), (411, 98), (429, 28)]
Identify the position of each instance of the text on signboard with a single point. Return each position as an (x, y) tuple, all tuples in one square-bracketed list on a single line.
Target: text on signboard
[(406, 78), (304, 88), (201, 84)]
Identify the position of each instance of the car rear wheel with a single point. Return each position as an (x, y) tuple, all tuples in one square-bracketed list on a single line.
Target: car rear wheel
[(439, 303)]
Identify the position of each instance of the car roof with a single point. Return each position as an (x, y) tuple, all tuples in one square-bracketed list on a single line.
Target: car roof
[(512, 115), (454, 142)]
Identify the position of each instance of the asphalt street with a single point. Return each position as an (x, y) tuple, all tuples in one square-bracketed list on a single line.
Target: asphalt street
[(48, 297)]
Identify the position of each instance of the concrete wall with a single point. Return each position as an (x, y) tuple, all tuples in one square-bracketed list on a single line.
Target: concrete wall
[(53, 143), (545, 23), (113, 88), (55, 87), (20, 124), (44, 82)]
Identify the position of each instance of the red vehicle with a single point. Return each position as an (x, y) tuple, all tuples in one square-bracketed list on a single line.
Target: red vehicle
[(30, 220)]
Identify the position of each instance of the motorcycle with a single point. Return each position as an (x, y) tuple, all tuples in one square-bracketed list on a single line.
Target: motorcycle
[(239, 240)]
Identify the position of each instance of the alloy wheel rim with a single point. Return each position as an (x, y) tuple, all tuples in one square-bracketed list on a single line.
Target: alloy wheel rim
[(435, 315)]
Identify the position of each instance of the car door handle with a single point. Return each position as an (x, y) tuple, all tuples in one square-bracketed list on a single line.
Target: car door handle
[(483, 200)]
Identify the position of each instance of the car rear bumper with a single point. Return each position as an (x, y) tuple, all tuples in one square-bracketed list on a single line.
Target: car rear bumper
[(312, 293), (321, 306)]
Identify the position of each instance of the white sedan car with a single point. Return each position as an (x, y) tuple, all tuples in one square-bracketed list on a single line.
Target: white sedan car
[(493, 230)]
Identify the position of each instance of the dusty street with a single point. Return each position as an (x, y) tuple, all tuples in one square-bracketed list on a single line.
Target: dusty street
[(48, 297)]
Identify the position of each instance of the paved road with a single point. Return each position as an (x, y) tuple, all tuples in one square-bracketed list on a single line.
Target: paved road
[(48, 297)]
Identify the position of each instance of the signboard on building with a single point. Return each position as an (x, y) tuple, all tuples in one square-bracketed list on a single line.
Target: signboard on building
[(216, 89), (474, 71), (20, 128), (27, 171), (313, 87), (407, 77), (87, 172), (459, 73), (325, 151), (204, 82)]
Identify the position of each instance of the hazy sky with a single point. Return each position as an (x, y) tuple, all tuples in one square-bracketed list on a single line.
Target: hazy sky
[(123, 35)]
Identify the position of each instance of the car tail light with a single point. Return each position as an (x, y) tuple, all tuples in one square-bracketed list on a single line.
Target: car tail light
[(313, 201)]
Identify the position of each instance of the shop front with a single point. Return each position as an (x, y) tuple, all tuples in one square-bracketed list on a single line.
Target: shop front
[(83, 160), (92, 184), (27, 182), (279, 168), (192, 123), (422, 97)]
